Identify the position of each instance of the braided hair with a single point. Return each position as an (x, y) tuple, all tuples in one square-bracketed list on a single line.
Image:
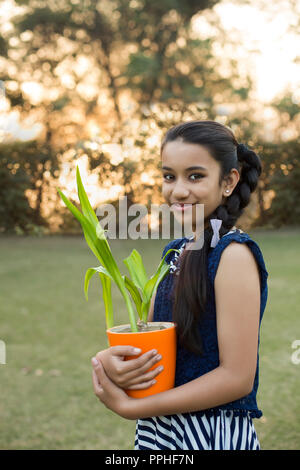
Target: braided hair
[(190, 286)]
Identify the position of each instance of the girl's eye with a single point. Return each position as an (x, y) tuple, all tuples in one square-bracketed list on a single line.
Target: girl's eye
[(197, 175), (166, 177)]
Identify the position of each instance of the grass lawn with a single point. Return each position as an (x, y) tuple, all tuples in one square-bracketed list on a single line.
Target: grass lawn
[(51, 333)]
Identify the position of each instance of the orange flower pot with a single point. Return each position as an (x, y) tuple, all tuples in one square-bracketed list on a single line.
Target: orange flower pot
[(164, 341)]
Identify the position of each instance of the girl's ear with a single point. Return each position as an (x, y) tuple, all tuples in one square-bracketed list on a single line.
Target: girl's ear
[(230, 182)]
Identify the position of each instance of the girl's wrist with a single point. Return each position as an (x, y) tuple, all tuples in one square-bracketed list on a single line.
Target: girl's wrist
[(141, 408), (130, 408)]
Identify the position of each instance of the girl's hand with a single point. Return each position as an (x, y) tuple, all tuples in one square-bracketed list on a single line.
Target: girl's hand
[(113, 397), (133, 374)]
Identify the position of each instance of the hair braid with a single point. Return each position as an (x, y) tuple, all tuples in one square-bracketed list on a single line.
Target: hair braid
[(249, 174)]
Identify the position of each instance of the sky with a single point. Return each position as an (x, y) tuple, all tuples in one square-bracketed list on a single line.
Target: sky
[(259, 35), (267, 32)]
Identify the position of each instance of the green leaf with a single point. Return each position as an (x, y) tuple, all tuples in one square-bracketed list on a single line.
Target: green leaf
[(101, 249), (89, 274), (88, 210), (106, 286), (81, 219), (152, 284), (136, 269), (85, 203), (135, 294), (155, 280)]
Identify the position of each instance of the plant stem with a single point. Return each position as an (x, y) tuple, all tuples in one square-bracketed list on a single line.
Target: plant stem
[(144, 312), (132, 319)]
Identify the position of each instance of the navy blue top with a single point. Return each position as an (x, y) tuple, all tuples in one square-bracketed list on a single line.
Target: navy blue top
[(190, 366)]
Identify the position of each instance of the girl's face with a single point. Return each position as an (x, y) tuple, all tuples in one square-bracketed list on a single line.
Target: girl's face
[(191, 176)]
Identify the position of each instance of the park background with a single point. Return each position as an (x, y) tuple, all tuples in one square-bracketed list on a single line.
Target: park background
[(96, 83)]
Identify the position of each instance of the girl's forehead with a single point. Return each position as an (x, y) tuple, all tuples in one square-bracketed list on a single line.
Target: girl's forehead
[(179, 154)]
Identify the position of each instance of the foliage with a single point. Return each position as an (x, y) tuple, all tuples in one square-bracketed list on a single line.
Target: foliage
[(15, 211), (146, 50), (109, 271), (22, 168), (284, 180)]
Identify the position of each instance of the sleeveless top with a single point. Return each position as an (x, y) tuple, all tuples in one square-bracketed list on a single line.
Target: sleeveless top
[(190, 366)]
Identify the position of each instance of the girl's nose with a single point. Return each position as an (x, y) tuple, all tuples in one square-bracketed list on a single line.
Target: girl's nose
[(180, 191)]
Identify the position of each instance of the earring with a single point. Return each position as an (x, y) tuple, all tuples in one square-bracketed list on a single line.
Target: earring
[(227, 191)]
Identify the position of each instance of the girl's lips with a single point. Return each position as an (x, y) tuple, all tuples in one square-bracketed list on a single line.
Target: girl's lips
[(181, 207)]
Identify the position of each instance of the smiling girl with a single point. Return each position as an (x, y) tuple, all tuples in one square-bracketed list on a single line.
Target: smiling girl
[(216, 295)]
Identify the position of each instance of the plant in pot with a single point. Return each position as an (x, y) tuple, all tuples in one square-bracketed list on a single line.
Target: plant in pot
[(140, 334)]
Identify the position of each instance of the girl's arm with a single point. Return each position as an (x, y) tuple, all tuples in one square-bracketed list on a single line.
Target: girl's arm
[(237, 291)]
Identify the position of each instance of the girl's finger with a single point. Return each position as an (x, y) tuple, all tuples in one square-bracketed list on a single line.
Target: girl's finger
[(104, 381), (148, 377), (98, 368), (137, 373), (97, 387), (125, 350), (151, 363), (142, 386), (135, 367)]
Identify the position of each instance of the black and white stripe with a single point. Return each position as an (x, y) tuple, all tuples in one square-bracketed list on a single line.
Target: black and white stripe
[(225, 430)]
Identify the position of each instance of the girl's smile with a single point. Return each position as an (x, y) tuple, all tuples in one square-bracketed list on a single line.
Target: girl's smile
[(182, 207)]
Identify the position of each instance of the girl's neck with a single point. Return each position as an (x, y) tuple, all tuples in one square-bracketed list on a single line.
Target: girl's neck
[(206, 225)]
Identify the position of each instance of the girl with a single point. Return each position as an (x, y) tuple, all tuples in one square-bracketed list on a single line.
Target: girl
[(216, 295)]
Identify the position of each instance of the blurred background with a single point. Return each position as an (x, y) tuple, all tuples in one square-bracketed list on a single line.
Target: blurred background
[(96, 83)]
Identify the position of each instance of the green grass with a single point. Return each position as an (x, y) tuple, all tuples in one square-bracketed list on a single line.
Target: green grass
[(51, 333)]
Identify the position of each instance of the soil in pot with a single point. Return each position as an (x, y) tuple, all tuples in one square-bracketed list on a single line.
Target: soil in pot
[(141, 327)]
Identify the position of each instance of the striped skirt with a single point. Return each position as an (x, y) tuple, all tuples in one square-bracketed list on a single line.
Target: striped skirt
[(224, 430)]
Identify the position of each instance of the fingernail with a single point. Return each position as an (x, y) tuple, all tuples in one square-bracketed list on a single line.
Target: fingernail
[(160, 368), (154, 351), (159, 357), (94, 361), (137, 351)]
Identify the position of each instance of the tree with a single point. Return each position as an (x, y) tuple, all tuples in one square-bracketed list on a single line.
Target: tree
[(23, 169), (141, 50), (284, 181)]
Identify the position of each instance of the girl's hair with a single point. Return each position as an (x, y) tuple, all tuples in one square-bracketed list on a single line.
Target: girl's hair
[(190, 288)]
